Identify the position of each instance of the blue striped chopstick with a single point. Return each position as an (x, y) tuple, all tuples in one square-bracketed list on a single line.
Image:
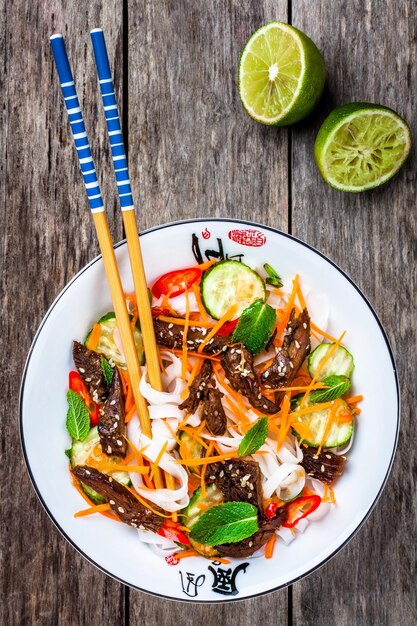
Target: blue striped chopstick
[(77, 124), (112, 120)]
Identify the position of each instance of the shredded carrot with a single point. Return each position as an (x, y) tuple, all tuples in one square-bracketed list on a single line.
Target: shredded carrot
[(133, 321), (198, 364), (128, 458), (116, 467), (190, 430), (171, 430), (129, 400), (301, 388), (322, 332), (161, 363), (155, 464), (285, 422), (224, 318), (77, 486), (202, 506), (131, 298), (98, 508), (186, 554), (146, 503), (354, 399), (205, 266), (290, 305), (206, 460), (181, 321), (301, 297), (203, 471), (94, 337), (269, 548), (322, 363), (196, 354), (193, 483), (130, 413), (202, 310), (224, 561)]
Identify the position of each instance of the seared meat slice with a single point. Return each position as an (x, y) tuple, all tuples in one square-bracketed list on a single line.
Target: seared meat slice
[(248, 546), (289, 358), (122, 501), (237, 362), (238, 479), (111, 426), (197, 388), (213, 411), (325, 466), (171, 335), (88, 364), (202, 389)]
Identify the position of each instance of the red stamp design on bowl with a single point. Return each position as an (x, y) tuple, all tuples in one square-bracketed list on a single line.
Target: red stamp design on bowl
[(172, 560), (206, 234), (248, 237)]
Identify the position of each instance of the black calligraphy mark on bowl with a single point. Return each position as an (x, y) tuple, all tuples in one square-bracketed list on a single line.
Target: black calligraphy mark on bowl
[(190, 583), (218, 254), (225, 579)]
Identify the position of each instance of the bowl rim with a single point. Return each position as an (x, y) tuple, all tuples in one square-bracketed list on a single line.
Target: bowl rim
[(97, 259)]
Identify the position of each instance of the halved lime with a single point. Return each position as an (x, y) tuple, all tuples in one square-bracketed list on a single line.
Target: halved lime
[(361, 145), (281, 75)]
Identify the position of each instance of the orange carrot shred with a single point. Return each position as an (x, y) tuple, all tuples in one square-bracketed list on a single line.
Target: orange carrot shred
[(98, 508), (269, 549), (94, 337)]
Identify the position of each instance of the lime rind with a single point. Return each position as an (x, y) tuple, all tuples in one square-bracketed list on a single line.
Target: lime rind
[(281, 75), (360, 146)]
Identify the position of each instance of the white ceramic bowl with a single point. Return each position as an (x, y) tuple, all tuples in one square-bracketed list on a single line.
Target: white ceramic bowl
[(115, 548)]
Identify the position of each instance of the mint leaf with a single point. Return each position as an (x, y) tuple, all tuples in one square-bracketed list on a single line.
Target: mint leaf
[(273, 278), (226, 523), (68, 452), (107, 370), (337, 386), (78, 417), (254, 438), (255, 326)]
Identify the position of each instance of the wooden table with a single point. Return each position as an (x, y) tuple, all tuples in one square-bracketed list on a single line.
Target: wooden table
[(194, 152)]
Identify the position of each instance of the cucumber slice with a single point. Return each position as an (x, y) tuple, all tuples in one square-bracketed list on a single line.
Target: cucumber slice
[(107, 346), (230, 282), (81, 451), (193, 512), (340, 363), (316, 421)]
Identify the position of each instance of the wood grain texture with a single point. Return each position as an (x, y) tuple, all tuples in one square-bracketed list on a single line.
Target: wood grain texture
[(47, 236), (370, 50), (194, 152)]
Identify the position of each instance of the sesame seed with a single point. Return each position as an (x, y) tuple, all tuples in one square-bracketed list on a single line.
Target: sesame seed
[(297, 345), (120, 509), (322, 468), (81, 370), (250, 544), (88, 380), (113, 402), (170, 333), (141, 527), (112, 502), (119, 442), (88, 472), (221, 474), (305, 326), (246, 478), (315, 456), (266, 374), (231, 466), (259, 396), (170, 325), (328, 456), (212, 477), (109, 449), (133, 524)]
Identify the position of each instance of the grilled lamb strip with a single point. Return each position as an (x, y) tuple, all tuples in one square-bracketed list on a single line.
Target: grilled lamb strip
[(291, 355), (197, 388), (111, 427), (248, 546), (123, 503), (171, 335), (88, 364), (239, 480), (325, 466), (237, 362), (213, 411), (202, 390)]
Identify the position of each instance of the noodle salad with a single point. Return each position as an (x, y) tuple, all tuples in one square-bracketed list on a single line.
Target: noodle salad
[(253, 424)]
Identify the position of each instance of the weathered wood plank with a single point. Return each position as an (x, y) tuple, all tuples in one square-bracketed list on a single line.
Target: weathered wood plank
[(47, 236), (369, 48), (195, 152)]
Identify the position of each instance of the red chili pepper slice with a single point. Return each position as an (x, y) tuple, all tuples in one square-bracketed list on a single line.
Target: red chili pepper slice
[(227, 328), (271, 509), (76, 383), (176, 282), (173, 534), (300, 508)]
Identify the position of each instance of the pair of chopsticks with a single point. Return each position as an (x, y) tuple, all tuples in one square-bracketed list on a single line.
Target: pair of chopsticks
[(100, 221)]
